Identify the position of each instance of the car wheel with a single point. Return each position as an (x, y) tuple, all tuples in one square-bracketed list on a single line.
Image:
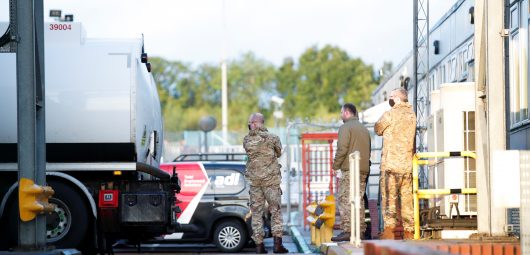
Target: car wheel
[(230, 236)]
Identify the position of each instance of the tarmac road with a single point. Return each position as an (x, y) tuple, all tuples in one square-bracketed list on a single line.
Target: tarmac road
[(172, 248)]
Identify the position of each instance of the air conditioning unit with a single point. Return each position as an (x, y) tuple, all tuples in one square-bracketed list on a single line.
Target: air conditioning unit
[(451, 127)]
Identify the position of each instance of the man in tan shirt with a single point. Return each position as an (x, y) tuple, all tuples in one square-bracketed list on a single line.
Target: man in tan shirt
[(398, 128)]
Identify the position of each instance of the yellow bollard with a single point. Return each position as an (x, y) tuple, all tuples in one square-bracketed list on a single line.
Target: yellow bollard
[(33, 199), (326, 218), (312, 218)]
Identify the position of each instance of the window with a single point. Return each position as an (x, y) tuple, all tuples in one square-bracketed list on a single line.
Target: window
[(470, 169), (453, 69), (518, 67), (225, 181), (464, 64), (442, 74), (432, 81)]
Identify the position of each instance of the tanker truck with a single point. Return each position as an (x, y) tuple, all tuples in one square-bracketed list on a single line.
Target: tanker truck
[(103, 143)]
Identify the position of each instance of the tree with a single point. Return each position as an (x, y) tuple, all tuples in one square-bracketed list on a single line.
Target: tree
[(322, 81), (187, 94), (314, 86)]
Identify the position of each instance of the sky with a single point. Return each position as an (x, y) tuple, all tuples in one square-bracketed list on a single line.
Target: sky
[(203, 31)]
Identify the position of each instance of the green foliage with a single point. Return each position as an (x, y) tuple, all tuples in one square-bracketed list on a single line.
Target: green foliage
[(313, 87), (323, 80)]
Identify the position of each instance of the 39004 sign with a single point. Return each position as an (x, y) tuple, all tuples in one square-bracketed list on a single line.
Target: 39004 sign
[(60, 27)]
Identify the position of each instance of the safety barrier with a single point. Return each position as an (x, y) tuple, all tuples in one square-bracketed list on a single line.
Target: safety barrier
[(321, 219), (420, 159)]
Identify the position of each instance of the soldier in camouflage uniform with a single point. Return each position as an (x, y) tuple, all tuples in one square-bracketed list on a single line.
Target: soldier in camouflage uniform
[(398, 128), (353, 136), (263, 173)]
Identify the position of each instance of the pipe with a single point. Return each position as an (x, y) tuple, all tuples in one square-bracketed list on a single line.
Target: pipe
[(288, 186), (151, 170), (446, 154), (429, 193)]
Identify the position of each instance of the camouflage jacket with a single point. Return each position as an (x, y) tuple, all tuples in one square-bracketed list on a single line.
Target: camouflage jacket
[(263, 150), (353, 136), (398, 128)]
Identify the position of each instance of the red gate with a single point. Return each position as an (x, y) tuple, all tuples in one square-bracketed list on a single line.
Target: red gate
[(317, 160)]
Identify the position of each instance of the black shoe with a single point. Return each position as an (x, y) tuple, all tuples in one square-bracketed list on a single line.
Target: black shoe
[(342, 237)]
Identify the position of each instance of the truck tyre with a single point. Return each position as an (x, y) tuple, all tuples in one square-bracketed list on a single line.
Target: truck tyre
[(230, 236), (67, 226), (10, 219)]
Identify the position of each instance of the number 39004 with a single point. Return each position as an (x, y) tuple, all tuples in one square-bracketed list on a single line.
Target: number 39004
[(60, 27)]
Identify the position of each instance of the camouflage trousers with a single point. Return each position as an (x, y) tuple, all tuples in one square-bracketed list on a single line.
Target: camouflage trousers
[(344, 200), (258, 196), (396, 192)]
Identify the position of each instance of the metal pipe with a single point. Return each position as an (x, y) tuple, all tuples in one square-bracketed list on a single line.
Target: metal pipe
[(428, 193), (331, 167), (288, 186), (446, 154), (151, 170)]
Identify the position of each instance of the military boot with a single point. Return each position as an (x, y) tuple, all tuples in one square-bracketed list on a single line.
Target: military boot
[(388, 234), (260, 249), (408, 235), (342, 237), (278, 247)]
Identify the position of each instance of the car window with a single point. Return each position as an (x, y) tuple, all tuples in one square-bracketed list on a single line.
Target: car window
[(225, 181)]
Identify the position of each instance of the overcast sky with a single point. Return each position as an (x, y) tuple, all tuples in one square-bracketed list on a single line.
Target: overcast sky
[(193, 30)]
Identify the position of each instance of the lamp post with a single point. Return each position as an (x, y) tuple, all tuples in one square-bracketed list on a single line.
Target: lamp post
[(207, 124), (278, 114)]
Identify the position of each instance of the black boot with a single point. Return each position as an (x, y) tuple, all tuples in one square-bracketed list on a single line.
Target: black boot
[(260, 249), (278, 247), (342, 237)]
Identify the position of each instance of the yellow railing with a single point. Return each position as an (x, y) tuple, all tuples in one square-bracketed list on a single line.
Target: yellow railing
[(420, 159)]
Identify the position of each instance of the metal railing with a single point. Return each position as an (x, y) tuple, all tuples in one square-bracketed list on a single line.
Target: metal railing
[(420, 158), (355, 199)]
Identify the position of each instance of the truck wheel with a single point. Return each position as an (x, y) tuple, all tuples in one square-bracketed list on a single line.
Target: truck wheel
[(67, 226), (230, 236)]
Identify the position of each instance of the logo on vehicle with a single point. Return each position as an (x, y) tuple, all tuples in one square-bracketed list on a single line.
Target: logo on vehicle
[(230, 180), (107, 197)]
